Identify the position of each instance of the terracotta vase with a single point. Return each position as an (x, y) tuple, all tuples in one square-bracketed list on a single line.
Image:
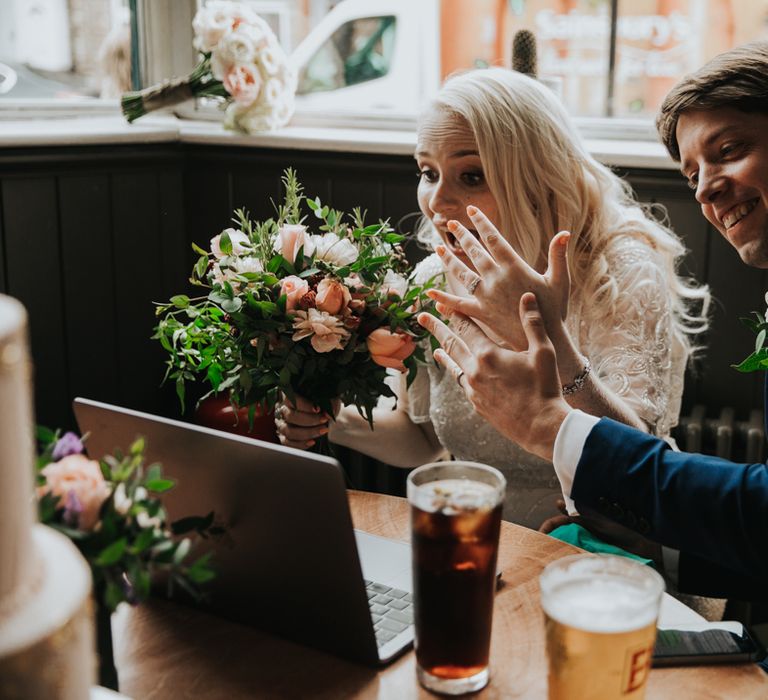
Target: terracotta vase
[(216, 412)]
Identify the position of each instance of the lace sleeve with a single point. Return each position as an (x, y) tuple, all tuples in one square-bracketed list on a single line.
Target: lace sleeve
[(635, 351), (418, 395)]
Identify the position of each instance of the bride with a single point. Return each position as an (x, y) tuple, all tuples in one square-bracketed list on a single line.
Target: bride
[(503, 143)]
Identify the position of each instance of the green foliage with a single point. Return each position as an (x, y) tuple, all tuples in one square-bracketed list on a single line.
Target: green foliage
[(131, 543), (239, 337), (758, 360)]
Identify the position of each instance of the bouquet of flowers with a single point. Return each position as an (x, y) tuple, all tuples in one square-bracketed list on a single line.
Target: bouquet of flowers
[(241, 61), (322, 315), (758, 360), (111, 511)]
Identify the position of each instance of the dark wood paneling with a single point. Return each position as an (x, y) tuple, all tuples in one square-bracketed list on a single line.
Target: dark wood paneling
[(737, 290), (87, 261), (33, 263), (138, 280), (62, 208)]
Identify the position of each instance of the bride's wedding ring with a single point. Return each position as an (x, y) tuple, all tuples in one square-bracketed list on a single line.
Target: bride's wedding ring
[(472, 286), (459, 376)]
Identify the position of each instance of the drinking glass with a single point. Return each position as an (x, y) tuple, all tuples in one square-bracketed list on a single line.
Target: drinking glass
[(455, 523), (600, 615)]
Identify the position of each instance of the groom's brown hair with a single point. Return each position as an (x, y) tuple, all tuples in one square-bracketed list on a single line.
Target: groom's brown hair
[(737, 79)]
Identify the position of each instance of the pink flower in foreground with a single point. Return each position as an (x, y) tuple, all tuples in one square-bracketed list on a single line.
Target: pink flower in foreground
[(294, 288), (327, 332), (80, 485), (332, 296), (390, 349), (290, 238)]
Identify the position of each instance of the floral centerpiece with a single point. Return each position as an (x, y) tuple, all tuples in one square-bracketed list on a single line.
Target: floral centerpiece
[(288, 311), (758, 360), (112, 512), (241, 62)]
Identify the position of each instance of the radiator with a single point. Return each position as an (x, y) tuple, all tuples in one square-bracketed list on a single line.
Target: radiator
[(738, 441)]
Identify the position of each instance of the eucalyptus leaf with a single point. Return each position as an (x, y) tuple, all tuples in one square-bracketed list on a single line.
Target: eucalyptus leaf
[(112, 553)]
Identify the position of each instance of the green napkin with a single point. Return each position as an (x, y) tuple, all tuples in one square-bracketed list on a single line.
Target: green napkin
[(581, 537)]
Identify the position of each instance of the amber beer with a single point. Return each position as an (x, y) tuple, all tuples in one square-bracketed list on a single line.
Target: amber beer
[(600, 616), (455, 523)]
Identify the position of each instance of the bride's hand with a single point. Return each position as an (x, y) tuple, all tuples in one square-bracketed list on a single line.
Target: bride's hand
[(501, 278), (300, 424)]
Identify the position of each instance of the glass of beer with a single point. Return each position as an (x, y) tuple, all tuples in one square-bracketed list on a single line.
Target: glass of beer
[(600, 615), (455, 523)]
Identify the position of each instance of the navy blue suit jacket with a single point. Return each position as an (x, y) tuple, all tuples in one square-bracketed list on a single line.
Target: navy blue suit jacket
[(714, 511)]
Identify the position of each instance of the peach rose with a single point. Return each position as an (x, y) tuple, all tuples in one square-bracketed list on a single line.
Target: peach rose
[(80, 485), (294, 288), (390, 349), (290, 238), (332, 296), (244, 83)]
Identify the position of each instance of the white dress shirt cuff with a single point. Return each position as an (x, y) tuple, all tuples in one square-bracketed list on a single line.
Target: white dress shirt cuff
[(569, 444)]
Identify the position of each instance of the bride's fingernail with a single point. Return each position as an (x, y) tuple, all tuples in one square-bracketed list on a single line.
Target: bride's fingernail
[(440, 249), (471, 210), (452, 225)]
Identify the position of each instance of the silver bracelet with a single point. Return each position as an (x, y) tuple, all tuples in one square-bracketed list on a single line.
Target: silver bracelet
[(579, 380)]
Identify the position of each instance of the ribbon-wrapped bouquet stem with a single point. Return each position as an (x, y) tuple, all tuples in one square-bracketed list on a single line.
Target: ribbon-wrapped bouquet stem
[(241, 62)]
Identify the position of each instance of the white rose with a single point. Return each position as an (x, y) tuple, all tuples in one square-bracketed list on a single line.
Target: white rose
[(241, 45), (258, 117), (218, 17), (241, 244), (332, 249), (394, 284), (271, 93), (227, 269), (271, 58), (247, 264)]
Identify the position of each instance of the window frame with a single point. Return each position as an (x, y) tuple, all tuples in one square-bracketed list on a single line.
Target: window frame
[(158, 58)]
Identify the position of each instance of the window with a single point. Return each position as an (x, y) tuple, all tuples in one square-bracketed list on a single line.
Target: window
[(618, 58), (64, 49), (358, 51)]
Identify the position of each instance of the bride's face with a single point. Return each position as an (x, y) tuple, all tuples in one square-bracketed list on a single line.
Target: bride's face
[(451, 176)]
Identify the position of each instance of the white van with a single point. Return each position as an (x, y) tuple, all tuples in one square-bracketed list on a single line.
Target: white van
[(380, 58)]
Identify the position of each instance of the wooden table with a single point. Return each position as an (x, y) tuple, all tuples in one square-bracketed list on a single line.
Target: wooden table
[(165, 650)]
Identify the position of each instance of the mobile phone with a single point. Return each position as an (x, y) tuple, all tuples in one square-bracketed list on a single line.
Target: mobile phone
[(706, 643)]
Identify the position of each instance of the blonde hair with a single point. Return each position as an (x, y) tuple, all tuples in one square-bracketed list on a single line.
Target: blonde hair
[(544, 181)]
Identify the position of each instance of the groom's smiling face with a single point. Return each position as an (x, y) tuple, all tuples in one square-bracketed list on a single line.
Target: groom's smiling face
[(724, 156)]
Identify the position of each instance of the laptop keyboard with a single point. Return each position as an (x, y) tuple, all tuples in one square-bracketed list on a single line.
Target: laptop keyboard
[(391, 611)]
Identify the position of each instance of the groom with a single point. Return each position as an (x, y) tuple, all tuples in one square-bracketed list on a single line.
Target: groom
[(715, 123)]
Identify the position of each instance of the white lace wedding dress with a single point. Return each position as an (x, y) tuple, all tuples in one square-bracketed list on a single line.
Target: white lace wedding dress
[(632, 350)]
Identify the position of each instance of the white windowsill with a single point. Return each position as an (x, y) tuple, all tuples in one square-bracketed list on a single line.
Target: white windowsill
[(98, 130)]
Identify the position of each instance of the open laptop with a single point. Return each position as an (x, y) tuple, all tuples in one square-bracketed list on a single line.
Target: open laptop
[(290, 562)]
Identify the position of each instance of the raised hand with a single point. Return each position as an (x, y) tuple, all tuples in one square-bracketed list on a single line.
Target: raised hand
[(500, 278), (518, 392), (300, 424)]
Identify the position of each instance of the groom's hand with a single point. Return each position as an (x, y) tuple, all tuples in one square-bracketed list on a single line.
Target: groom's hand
[(519, 393)]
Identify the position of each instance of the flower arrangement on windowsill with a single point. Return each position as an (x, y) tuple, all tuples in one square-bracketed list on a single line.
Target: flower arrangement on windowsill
[(757, 360), (288, 311), (242, 64), (112, 511)]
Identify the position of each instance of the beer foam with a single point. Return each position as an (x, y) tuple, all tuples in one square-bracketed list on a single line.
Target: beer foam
[(601, 604), (453, 496)]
